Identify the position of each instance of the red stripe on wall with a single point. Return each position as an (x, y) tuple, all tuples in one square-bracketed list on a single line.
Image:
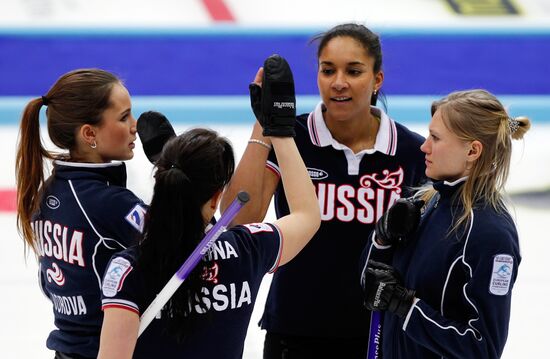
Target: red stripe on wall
[(218, 10), (8, 200)]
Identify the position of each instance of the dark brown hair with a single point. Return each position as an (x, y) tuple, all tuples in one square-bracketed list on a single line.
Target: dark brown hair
[(78, 97), (368, 39), (192, 168)]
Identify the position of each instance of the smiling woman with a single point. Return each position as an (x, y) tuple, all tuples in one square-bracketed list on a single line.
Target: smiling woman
[(316, 310), (349, 79), (76, 219)]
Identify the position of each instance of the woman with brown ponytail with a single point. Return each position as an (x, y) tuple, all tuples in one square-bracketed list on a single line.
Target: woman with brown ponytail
[(82, 214), (448, 290)]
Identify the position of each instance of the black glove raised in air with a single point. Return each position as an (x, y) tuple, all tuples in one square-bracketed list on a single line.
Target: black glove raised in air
[(274, 103), (399, 221), (154, 131), (383, 290)]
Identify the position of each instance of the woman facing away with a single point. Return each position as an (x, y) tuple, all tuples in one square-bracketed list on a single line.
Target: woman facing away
[(209, 314), (448, 290), (361, 162), (76, 219)]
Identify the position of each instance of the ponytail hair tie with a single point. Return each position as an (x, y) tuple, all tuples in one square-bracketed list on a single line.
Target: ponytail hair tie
[(513, 124), (177, 168), (45, 101)]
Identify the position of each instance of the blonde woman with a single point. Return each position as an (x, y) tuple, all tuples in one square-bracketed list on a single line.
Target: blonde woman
[(448, 290)]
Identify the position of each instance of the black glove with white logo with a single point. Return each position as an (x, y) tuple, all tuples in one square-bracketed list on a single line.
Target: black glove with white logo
[(399, 221), (383, 290), (274, 103), (154, 131)]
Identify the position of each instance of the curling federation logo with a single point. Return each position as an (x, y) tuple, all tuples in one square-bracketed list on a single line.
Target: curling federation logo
[(504, 271), (501, 278), (118, 269)]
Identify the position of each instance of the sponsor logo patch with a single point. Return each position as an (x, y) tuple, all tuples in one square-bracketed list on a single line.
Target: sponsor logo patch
[(52, 202), (280, 105), (115, 275), (258, 227), (503, 265), (136, 217), (316, 174)]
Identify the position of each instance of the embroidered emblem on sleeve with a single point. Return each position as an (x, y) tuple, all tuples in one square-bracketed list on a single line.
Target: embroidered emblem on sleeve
[(136, 217), (118, 269), (503, 265), (258, 227)]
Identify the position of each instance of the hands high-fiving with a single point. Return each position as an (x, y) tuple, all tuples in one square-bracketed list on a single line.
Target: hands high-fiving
[(273, 100), (154, 131)]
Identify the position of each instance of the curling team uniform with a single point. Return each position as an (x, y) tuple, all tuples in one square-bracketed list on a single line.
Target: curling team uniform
[(220, 313), (318, 293), (462, 305), (85, 216)]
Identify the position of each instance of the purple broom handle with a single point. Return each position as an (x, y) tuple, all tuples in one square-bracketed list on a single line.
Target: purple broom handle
[(212, 235), (374, 337), (179, 277)]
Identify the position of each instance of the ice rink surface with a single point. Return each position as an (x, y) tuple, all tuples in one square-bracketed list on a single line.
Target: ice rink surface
[(27, 315)]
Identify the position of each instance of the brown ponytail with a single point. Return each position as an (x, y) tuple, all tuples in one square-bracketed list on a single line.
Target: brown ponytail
[(78, 97), (29, 169)]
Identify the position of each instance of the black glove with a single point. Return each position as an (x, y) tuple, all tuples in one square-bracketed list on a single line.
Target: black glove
[(274, 103), (383, 290), (154, 131), (399, 221)]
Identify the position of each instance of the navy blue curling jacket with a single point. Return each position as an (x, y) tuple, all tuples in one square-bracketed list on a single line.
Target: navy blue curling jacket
[(463, 283), (86, 215)]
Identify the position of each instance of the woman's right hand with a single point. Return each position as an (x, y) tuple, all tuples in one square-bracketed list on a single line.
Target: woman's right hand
[(399, 221)]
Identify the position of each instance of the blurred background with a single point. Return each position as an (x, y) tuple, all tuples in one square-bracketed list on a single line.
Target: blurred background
[(193, 60)]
